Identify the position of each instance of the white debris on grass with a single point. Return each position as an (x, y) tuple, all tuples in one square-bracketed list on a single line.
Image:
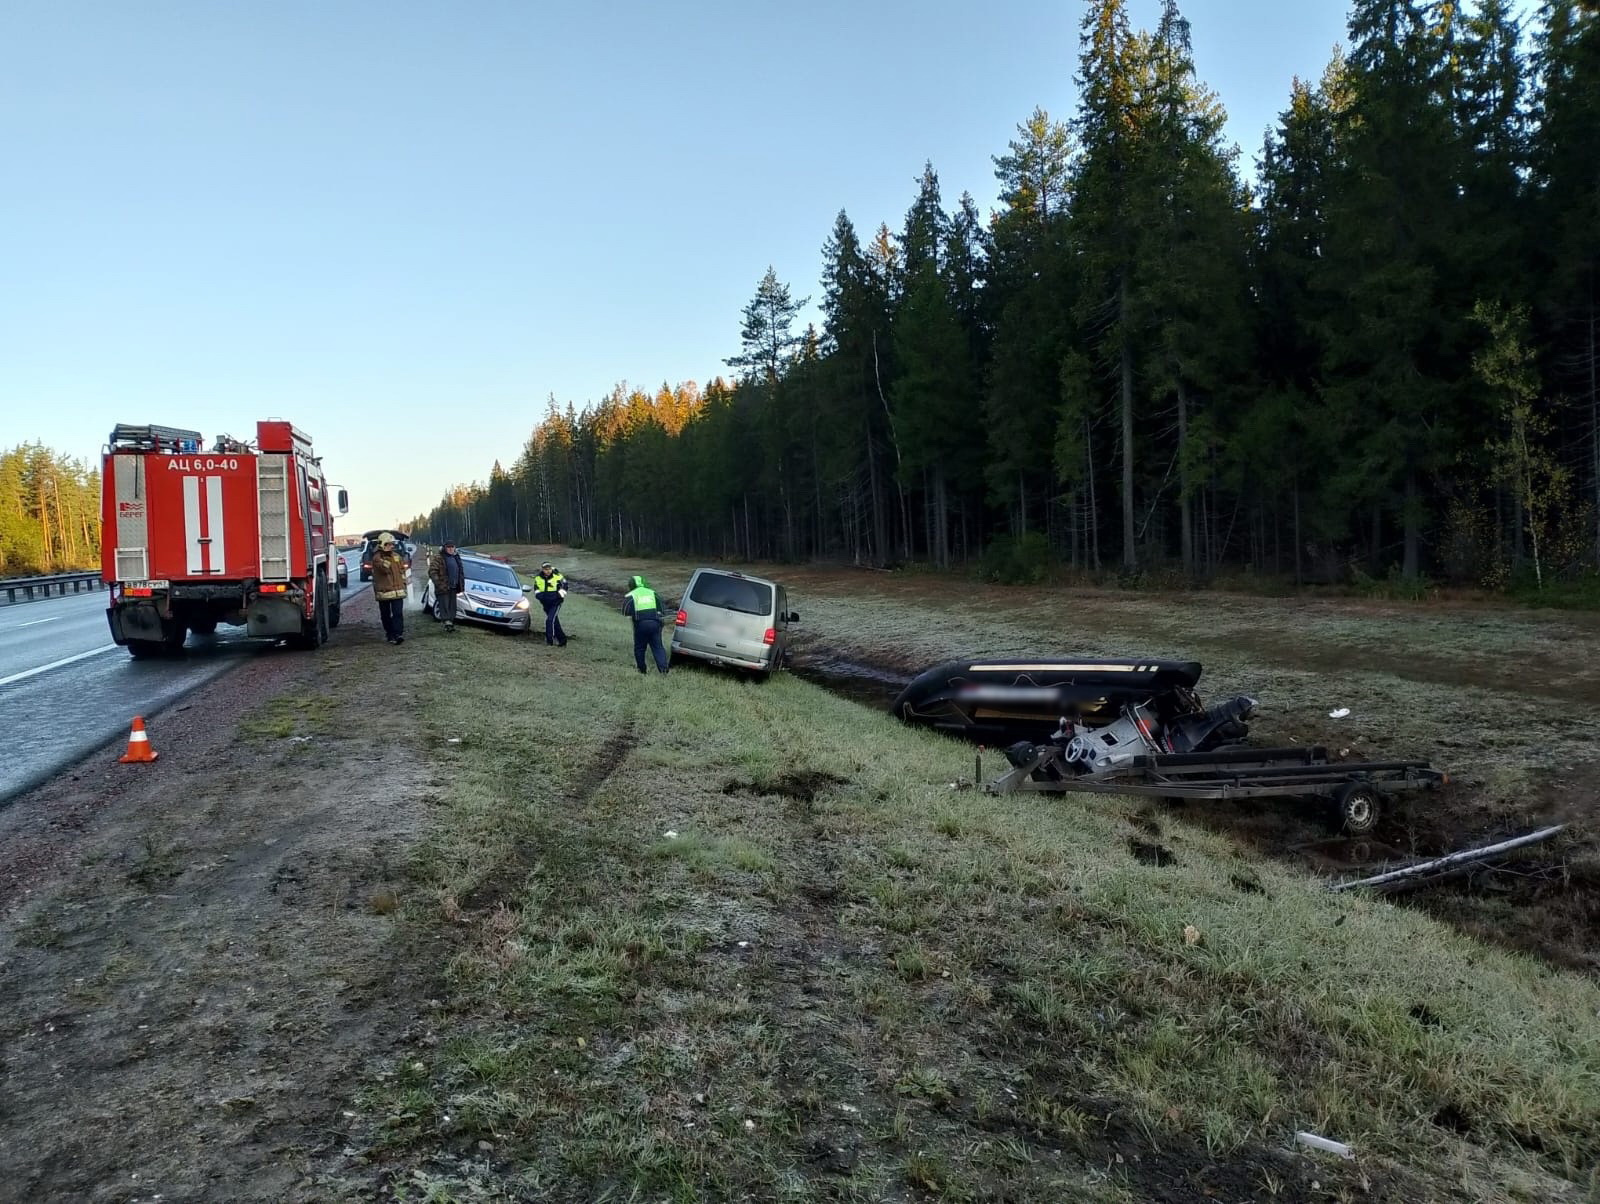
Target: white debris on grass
[(1324, 1144)]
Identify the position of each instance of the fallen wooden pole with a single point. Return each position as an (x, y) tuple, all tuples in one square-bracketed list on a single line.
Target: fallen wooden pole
[(1463, 858)]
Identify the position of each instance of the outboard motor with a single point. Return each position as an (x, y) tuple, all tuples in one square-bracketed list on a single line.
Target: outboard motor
[(1025, 751), (1223, 723), (1021, 753), (1135, 734)]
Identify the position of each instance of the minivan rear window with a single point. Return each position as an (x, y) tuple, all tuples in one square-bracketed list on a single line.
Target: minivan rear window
[(732, 593)]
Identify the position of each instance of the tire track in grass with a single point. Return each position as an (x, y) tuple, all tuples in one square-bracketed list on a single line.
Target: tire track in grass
[(502, 884)]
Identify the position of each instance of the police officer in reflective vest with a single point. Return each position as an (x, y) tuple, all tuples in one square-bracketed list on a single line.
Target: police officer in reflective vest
[(550, 588), (643, 608)]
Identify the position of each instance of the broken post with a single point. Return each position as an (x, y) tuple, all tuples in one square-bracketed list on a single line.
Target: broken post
[(1451, 861)]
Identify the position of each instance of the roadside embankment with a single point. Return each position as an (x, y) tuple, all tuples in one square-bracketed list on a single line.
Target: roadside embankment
[(478, 919), (1507, 700), (721, 940)]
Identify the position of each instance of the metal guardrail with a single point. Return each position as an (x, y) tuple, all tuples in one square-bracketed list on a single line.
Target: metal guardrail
[(29, 589)]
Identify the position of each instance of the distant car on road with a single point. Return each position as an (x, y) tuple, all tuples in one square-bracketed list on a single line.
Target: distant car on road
[(495, 596), (733, 619)]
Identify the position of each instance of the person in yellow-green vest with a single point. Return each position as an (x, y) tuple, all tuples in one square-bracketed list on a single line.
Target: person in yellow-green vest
[(550, 589), (644, 608)]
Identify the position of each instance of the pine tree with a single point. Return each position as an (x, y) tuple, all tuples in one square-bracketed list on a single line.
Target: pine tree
[(1035, 171)]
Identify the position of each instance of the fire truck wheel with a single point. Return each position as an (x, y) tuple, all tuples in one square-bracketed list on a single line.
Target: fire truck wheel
[(203, 626), (314, 633), (173, 633), (333, 616), (311, 633), (144, 649)]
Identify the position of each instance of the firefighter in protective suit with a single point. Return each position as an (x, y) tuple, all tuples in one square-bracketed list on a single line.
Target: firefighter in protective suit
[(390, 588), (644, 608)]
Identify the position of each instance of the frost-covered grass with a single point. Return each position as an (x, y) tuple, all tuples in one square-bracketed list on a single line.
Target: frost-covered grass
[(721, 940)]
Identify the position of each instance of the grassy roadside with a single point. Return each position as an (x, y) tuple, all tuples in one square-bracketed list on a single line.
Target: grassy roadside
[(1497, 693), (724, 941)]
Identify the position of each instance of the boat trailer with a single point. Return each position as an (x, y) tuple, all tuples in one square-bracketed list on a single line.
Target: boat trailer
[(1358, 789)]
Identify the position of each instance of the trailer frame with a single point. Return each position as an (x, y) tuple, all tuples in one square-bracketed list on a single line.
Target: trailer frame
[(1358, 788)]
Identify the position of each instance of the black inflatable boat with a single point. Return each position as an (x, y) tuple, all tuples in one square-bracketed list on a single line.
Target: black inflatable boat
[(997, 701)]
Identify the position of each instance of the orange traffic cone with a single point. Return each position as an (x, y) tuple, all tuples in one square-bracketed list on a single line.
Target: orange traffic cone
[(138, 745)]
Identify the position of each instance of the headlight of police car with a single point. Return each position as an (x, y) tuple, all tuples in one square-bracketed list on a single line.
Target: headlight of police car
[(522, 604)]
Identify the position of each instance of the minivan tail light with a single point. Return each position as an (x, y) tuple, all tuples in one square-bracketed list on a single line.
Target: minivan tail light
[(770, 636), (683, 618)]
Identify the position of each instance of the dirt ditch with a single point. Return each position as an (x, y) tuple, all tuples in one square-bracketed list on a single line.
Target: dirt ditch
[(1545, 901)]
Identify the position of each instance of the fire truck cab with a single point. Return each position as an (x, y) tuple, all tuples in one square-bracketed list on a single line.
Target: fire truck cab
[(238, 533)]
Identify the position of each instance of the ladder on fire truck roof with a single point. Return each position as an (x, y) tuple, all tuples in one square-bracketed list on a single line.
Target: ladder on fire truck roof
[(272, 498), (130, 436)]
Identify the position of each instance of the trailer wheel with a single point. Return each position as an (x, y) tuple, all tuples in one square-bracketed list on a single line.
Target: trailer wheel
[(1359, 808)]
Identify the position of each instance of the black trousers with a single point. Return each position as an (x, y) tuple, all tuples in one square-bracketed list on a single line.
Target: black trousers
[(393, 613)]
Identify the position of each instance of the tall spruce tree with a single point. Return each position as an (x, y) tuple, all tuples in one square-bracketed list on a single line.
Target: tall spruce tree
[(1392, 346), (1190, 257), (1109, 128), (855, 308), (1024, 314), (1286, 433), (1566, 166)]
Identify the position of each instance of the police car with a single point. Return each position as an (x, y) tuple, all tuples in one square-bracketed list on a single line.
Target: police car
[(495, 596)]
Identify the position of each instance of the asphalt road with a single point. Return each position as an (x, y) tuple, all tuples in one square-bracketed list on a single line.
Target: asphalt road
[(66, 689)]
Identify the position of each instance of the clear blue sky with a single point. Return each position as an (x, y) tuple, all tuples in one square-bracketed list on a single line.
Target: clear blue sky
[(404, 224)]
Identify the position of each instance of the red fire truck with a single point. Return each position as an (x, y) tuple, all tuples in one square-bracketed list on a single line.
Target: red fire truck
[(238, 533)]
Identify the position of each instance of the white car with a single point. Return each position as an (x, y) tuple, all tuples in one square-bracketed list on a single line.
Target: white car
[(495, 596)]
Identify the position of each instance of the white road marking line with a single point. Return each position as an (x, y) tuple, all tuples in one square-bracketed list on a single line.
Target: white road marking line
[(30, 623), (6, 681)]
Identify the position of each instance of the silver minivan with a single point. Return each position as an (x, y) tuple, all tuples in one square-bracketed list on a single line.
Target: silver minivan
[(729, 618)]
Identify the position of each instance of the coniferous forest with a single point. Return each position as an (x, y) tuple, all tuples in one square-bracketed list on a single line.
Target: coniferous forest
[(49, 512), (1378, 354)]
